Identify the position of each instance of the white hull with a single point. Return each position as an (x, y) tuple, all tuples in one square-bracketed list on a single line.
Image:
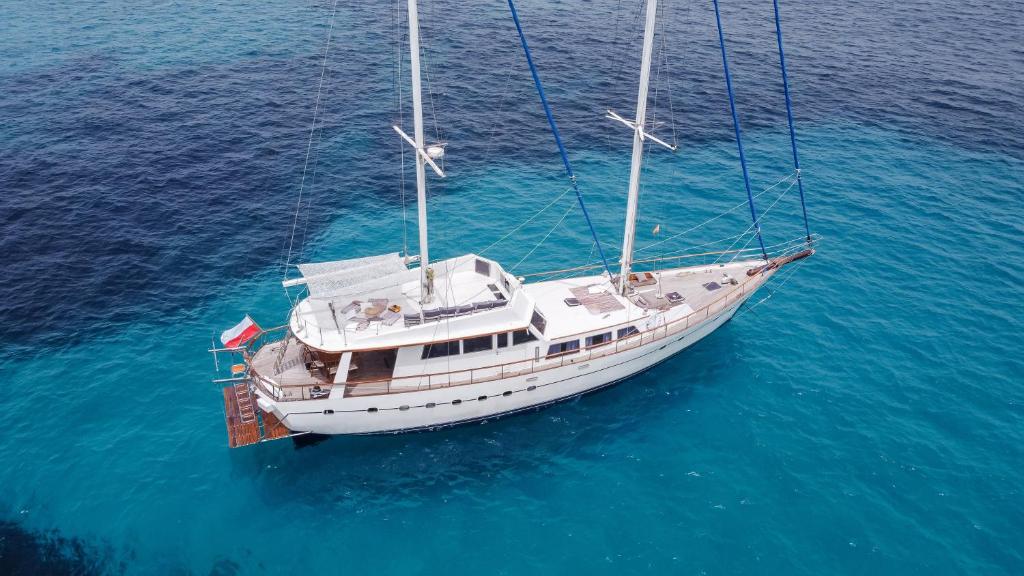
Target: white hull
[(434, 408)]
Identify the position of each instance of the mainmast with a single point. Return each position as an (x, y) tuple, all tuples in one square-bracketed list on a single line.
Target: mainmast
[(638, 146), (426, 274), (422, 156)]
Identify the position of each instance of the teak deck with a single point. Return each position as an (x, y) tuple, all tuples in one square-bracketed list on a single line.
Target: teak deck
[(246, 423)]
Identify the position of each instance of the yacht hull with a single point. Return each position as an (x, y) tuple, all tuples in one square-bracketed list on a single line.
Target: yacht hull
[(454, 405)]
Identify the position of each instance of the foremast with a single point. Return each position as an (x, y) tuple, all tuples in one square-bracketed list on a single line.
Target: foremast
[(639, 136)]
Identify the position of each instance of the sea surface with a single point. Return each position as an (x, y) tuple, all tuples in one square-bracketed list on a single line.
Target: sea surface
[(862, 415)]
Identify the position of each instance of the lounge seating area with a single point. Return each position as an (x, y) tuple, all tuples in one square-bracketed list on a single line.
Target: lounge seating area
[(452, 311)]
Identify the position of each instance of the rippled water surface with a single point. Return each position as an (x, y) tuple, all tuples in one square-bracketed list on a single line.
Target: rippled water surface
[(868, 417)]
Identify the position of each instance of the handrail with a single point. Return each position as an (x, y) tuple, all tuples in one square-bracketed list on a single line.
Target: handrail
[(536, 365)]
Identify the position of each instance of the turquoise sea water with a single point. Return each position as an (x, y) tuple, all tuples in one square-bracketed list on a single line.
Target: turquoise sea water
[(867, 418)]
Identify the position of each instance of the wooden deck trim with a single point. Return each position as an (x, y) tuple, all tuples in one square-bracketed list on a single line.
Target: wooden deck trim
[(249, 426)]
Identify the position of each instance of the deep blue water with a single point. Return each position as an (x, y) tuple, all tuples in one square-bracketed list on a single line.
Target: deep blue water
[(867, 418)]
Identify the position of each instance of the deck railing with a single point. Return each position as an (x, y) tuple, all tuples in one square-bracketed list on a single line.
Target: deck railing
[(286, 391)]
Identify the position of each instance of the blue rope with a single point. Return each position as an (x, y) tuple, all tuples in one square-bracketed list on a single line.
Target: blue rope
[(789, 117), (736, 126), (558, 137)]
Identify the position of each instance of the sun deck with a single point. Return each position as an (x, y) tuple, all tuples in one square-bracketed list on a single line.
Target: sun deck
[(473, 290), (576, 305), (696, 287)]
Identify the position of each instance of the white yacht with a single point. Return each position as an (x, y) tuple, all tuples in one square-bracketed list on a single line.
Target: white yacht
[(394, 343)]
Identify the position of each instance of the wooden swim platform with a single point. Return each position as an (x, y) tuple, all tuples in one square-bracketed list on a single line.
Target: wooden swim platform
[(246, 423)]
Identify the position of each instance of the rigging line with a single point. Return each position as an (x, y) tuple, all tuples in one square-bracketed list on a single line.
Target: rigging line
[(668, 78), (527, 221), (312, 187), (310, 196), (309, 144), (399, 59), (702, 245), (630, 32), (558, 137), (501, 106), (757, 224), (589, 265), (553, 228), (783, 282), (425, 42), (763, 216), (712, 219), (789, 116), (615, 40), (736, 127)]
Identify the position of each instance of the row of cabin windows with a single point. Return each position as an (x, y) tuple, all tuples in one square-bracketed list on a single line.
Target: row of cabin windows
[(477, 344), (594, 340)]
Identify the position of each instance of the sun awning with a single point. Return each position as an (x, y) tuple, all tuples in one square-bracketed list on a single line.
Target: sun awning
[(351, 276)]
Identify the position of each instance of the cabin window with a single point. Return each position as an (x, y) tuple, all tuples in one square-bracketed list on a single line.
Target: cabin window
[(478, 344), (538, 322), (598, 339), (441, 349), (628, 331), (483, 268), (503, 340), (522, 337), (563, 348)]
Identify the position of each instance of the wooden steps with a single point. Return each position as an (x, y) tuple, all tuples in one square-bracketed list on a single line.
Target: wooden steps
[(246, 423)]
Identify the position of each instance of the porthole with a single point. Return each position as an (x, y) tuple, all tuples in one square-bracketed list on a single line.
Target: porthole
[(456, 402), (506, 393), (328, 411), (482, 398), (430, 404), (371, 410), (403, 407), (531, 388)]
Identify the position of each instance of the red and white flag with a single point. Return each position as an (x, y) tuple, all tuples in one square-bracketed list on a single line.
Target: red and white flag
[(242, 332)]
